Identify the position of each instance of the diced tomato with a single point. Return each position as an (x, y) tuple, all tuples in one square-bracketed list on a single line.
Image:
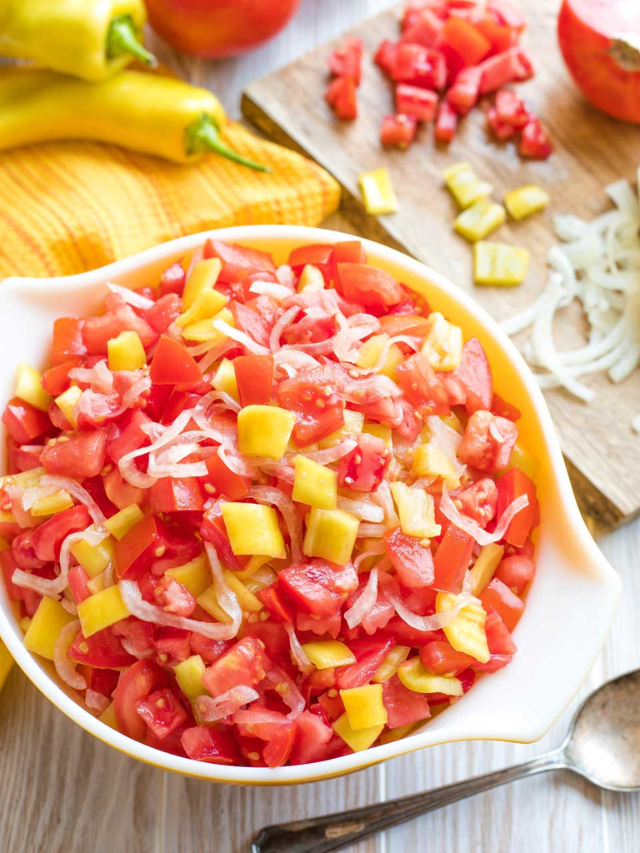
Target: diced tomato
[(208, 649), (404, 324), (173, 280), (421, 66), (103, 681), (24, 422), (402, 705), (321, 255), (221, 480), (385, 56), (211, 745), (346, 60), (22, 458), (370, 286), (506, 603), (425, 29), (98, 331), (176, 494), (320, 411), (535, 141), (317, 587), (67, 340), (416, 102), (135, 683), (492, 26), (479, 501), (238, 261), (333, 706), (48, 537), (173, 365), (103, 650), (498, 637), (276, 730), (56, 379), (413, 562), (512, 485), (254, 374), (505, 410), (138, 548), (516, 572), (341, 97), (446, 123), (349, 252), (78, 583), (164, 312), (251, 322), (501, 130), (131, 436), (467, 678), (311, 737), (173, 597), (119, 492), (24, 552), (162, 712), (452, 559), (510, 66), (442, 659), (273, 602), (244, 663), (465, 39), (411, 423), (76, 456), (399, 131), (369, 656), (274, 637), (510, 109), (487, 442), (8, 565), (364, 467), (422, 386)]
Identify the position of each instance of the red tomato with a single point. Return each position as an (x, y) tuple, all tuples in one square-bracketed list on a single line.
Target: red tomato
[(67, 340), (317, 587), (369, 656), (254, 375), (461, 36), (212, 529), (103, 681), (211, 745), (238, 261), (311, 737), (424, 28), (274, 637), (346, 60), (277, 731), (48, 537), (56, 379), (446, 123), (349, 252), (244, 663), (131, 435), (209, 650), (464, 93), (78, 456), (221, 480), (23, 422), (413, 563), (403, 706), (386, 55), (502, 25), (251, 322), (442, 659), (399, 131), (162, 712), (173, 280), (135, 683), (24, 552), (599, 43), (474, 375), (510, 486), (505, 410), (364, 468), (319, 624), (510, 66), (98, 331), (498, 637), (506, 603), (404, 324), (274, 604), (501, 130), (510, 109), (341, 97), (452, 559), (78, 583), (173, 365), (479, 501), (372, 287), (176, 494), (333, 706), (103, 650), (173, 597), (120, 493), (164, 312), (319, 411), (416, 102), (139, 547), (534, 141), (421, 66), (422, 386), (320, 255), (487, 442), (8, 565), (218, 28), (516, 572)]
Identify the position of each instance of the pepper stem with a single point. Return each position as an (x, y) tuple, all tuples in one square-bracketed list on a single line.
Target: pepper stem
[(122, 40), (203, 135)]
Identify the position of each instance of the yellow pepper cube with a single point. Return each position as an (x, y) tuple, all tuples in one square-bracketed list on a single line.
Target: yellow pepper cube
[(225, 379), (253, 529), (67, 402), (98, 583), (194, 575), (524, 460), (101, 610), (525, 201), (479, 220), (264, 431), (370, 350), (189, 677), (208, 600), (442, 344), (46, 624), (315, 484), (390, 664), (416, 509), (431, 461), (6, 663), (204, 330), (356, 739), (467, 632), (24, 624), (93, 558), (51, 504), (325, 654), (311, 279), (377, 192), (364, 706), (499, 264), (255, 562), (485, 566), (206, 306), (246, 599), (28, 387), (122, 522), (415, 676), (380, 431), (353, 423), (108, 717), (203, 277), (464, 185), (126, 352), (331, 535)]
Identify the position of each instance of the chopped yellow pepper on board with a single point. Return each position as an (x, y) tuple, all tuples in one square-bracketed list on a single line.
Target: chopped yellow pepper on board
[(415, 676), (67, 401), (479, 220), (416, 509), (466, 633), (122, 522), (525, 201), (203, 277), (442, 344), (101, 610), (28, 387), (264, 431), (253, 529), (357, 739), (364, 706), (315, 484), (126, 352), (464, 185), (331, 535), (499, 264), (377, 192), (46, 624), (325, 654)]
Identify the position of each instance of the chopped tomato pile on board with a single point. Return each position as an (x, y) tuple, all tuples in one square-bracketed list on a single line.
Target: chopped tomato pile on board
[(259, 514)]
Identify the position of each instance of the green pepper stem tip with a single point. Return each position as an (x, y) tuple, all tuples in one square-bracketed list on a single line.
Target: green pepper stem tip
[(205, 136), (122, 40)]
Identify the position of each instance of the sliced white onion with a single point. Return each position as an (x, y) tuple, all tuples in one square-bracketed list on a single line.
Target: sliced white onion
[(482, 537), (285, 276), (214, 708), (69, 606), (367, 598), (332, 454), (368, 530), (96, 701), (291, 359), (370, 552), (382, 496), (275, 497), (291, 696), (298, 654), (270, 288), (131, 297), (76, 491), (99, 377), (425, 623), (65, 667), (131, 472), (280, 325), (33, 494), (362, 510), (28, 581), (218, 433), (384, 352), (235, 461), (196, 257), (241, 337)]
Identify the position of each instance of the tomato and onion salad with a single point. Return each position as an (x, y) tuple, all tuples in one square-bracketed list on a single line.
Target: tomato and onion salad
[(259, 514)]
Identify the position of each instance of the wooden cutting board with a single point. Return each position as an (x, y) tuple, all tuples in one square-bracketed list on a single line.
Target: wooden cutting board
[(602, 452)]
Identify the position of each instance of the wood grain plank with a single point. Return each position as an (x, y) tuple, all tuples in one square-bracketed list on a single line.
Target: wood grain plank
[(592, 150)]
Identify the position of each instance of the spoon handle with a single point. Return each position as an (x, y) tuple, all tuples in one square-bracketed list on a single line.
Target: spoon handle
[(331, 832)]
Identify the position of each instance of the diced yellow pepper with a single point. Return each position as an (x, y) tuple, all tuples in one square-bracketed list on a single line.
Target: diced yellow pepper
[(380, 431), (108, 717), (479, 220), (431, 461), (415, 676), (325, 654), (122, 522), (51, 504), (206, 306), (29, 388), (247, 600), (259, 580), (204, 330), (390, 664), (331, 535), (442, 344), (353, 423), (485, 566), (377, 192), (24, 624), (189, 677), (6, 662), (315, 484), (194, 575), (126, 352), (525, 460), (392, 735), (46, 624), (371, 350), (67, 402), (311, 279), (464, 185), (356, 739), (254, 563), (208, 600), (466, 633), (264, 431), (526, 200), (93, 558), (364, 706), (416, 509), (203, 277), (499, 264), (25, 479), (253, 529), (452, 421), (98, 583), (101, 610), (225, 379)]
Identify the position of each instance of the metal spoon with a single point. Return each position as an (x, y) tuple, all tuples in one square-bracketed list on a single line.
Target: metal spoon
[(603, 745)]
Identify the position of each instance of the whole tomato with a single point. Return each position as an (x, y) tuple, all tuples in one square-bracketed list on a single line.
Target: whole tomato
[(217, 28)]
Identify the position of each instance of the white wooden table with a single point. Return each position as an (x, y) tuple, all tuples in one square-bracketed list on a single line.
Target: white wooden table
[(61, 791)]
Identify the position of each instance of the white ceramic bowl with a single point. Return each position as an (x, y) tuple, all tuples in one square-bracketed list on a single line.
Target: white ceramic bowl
[(571, 602)]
